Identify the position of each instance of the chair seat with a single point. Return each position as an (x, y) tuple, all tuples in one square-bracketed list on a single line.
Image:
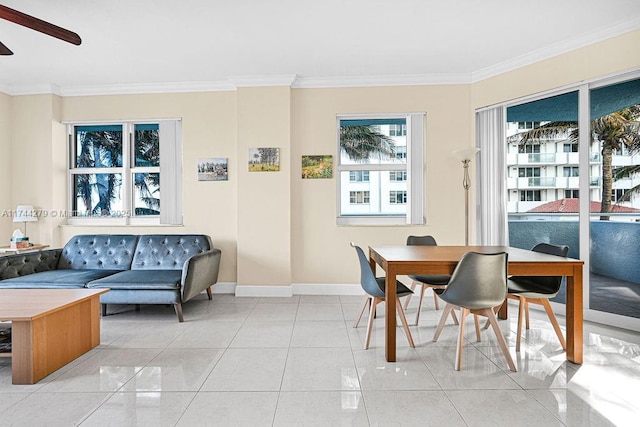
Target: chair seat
[(432, 279), (401, 289), (529, 288)]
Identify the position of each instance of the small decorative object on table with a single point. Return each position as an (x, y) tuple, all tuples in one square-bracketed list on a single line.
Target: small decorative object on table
[(19, 240)]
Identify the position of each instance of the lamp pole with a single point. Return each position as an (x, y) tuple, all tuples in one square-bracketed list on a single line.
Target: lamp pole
[(466, 184)]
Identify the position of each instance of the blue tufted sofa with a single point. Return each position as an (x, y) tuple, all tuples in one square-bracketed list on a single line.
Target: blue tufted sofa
[(138, 269)]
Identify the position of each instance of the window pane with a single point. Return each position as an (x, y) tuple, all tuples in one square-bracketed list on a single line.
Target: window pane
[(98, 195), (98, 146), (146, 193), (379, 195), (146, 142), (371, 142)]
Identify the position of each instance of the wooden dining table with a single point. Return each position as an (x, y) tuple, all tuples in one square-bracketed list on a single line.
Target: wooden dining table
[(408, 259)]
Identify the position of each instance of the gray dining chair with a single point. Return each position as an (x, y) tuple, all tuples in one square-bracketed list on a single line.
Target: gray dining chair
[(538, 290), (478, 284), (375, 294), (437, 282)]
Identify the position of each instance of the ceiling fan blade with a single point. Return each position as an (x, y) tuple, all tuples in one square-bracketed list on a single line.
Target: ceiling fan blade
[(39, 25), (5, 50)]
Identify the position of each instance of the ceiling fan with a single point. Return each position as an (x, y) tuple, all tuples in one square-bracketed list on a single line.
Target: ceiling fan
[(38, 25)]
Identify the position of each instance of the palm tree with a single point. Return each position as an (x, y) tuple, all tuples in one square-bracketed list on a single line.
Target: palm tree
[(361, 142), (614, 131)]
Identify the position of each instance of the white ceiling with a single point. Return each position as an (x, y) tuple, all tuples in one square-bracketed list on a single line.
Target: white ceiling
[(172, 45)]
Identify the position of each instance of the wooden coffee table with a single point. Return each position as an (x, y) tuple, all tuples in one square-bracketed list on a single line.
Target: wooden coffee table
[(49, 328)]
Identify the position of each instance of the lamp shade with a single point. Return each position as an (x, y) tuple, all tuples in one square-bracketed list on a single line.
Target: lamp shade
[(467, 153), (25, 213)]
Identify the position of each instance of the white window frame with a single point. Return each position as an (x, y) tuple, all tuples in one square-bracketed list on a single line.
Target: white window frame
[(414, 167), (170, 171)]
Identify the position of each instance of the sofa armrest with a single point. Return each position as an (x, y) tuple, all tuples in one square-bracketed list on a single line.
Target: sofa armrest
[(17, 265), (199, 272)]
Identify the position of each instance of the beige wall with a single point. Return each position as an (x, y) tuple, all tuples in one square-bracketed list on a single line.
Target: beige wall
[(275, 228), (6, 224)]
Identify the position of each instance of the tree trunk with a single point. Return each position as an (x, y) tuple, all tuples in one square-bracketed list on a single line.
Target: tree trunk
[(607, 181)]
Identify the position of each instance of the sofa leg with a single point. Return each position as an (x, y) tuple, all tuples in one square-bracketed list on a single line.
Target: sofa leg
[(138, 308), (178, 308), (104, 309), (209, 293)]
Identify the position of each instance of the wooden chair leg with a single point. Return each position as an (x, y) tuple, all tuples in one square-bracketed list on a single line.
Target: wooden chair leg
[(104, 309), (552, 317), (463, 314), (476, 322), (436, 301), (422, 288), (374, 303), (413, 287), (521, 311), (178, 308), (364, 307), (405, 326), (443, 319), (209, 293), (503, 343), (454, 317), (526, 311)]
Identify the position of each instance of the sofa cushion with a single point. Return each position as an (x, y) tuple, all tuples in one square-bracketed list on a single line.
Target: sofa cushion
[(33, 262), (168, 251), (56, 279), (98, 252), (140, 279)]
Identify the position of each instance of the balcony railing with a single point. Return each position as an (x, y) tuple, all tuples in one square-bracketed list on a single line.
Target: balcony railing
[(541, 157)]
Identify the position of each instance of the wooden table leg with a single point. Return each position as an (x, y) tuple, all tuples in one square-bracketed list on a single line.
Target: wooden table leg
[(390, 315), (575, 316)]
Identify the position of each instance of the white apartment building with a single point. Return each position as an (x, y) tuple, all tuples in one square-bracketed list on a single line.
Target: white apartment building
[(548, 171)]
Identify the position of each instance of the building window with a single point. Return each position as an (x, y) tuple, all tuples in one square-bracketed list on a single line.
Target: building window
[(528, 125), (397, 197), (571, 194), (359, 197), (570, 148), (114, 172), (530, 196), (398, 176), (359, 176), (620, 195), (528, 172), (569, 171), (388, 148), (398, 130), (529, 148)]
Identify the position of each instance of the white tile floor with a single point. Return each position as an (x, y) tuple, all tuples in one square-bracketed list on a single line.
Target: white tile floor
[(298, 361)]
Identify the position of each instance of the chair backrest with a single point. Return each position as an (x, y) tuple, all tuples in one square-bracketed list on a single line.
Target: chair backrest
[(550, 283), (478, 281), (367, 278), (421, 241)]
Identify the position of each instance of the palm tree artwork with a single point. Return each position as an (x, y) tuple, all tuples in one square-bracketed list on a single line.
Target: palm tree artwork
[(613, 131)]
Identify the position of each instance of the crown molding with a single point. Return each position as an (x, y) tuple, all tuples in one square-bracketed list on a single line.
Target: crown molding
[(254, 81), (389, 80), (555, 50), (177, 87)]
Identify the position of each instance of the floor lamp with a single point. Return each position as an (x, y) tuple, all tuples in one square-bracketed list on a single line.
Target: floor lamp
[(465, 155)]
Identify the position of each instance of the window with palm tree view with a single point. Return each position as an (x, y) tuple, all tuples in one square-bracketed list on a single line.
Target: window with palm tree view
[(380, 169), (115, 170), (554, 177)]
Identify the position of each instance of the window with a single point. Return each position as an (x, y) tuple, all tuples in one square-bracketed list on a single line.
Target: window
[(397, 197), (528, 125), (529, 148), (568, 171), (359, 176), (398, 130), (380, 179), (114, 172), (620, 195), (570, 148), (359, 197), (571, 194), (530, 196), (528, 172), (398, 176)]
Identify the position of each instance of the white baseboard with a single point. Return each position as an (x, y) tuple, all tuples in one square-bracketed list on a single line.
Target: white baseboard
[(224, 288), (294, 289)]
